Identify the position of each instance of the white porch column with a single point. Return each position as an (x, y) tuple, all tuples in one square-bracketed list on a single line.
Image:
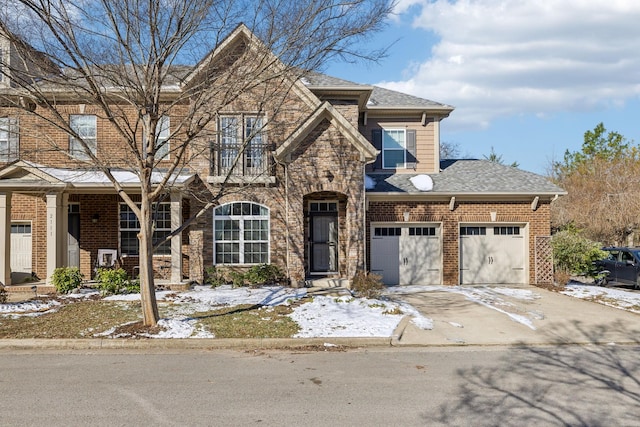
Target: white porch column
[(176, 241), (54, 231), (64, 223), (5, 238)]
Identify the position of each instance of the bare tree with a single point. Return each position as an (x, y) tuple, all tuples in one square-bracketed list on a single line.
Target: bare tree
[(126, 60), (603, 185)]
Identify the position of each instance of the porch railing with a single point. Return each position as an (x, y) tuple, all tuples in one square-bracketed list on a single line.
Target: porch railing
[(242, 159)]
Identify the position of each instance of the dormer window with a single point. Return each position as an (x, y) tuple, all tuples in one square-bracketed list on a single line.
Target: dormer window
[(397, 146)]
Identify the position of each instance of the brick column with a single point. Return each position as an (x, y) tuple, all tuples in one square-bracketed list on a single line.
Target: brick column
[(5, 237)]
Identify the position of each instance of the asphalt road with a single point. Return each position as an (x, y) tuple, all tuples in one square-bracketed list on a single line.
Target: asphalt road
[(497, 386)]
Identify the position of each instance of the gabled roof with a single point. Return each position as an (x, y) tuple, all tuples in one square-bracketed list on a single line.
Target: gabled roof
[(470, 178), (326, 111), (375, 97), (239, 34), (24, 174)]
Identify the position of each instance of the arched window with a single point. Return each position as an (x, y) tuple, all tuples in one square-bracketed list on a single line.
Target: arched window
[(241, 233)]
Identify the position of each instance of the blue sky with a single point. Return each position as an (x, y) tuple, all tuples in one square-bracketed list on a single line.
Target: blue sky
[(527, 78)]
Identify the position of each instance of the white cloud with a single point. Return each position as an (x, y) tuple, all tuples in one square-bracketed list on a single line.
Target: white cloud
[(510, 57)]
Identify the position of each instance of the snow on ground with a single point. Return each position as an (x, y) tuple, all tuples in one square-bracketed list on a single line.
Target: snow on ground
[(31, 307), (323, 316), (613, 297), (318, 316)]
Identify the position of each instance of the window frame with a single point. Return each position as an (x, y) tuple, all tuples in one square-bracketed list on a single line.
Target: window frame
[(163, 132), (386, 137), (76, 149), (164, 209), (232, 223), (10, 127), (242, 133)]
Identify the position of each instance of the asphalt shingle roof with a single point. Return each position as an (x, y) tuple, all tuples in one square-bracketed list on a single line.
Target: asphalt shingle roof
[(380, 97), (469, 176)]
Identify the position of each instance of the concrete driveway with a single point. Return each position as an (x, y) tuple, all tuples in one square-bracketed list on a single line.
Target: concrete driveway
[(548, 318)]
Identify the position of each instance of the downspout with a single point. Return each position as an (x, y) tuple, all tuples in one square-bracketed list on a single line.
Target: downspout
[(364, 217)]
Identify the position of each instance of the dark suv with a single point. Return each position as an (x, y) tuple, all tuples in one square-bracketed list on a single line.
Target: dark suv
[(623, 265)]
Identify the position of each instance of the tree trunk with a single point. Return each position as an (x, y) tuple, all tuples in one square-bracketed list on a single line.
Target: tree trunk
[(150, 314)]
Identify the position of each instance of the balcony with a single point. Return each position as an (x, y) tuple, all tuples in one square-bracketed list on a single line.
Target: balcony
[(239, 163)]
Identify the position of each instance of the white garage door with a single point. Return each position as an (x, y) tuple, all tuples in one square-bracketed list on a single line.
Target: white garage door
[(21, 248), (407, 254), (491, 254)]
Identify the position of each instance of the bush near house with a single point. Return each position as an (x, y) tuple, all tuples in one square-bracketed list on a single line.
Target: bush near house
[(115, 281), (367, 285), (3, 295), (258, 275), (66, 279), (575, 254)]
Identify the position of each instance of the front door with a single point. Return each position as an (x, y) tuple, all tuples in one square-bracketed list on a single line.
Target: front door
[(324, 242), (73, 236)]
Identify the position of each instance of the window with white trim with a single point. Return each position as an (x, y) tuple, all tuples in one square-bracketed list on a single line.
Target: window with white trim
[(130, 227), (162, 138), (393, 148), (241, 233), (85, 126), (9, 139)]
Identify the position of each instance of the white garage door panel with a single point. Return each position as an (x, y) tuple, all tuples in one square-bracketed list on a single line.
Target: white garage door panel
[(496, 257), (407, 255), (385, 254), (420, 260)]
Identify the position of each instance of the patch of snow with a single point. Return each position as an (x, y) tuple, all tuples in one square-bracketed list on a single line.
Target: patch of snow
[(29, 308), (369, 183), (422, 182), (612, 297), (340, 317), (456, 325), (180, 328)]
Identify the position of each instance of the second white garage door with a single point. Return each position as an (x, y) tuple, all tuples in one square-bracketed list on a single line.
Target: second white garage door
[(407, 254), (492, 254)]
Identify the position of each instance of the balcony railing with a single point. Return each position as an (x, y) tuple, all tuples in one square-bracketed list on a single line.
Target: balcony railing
[(249, 160)]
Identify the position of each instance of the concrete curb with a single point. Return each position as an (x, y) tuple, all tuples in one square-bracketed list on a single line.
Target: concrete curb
[(187, 343)]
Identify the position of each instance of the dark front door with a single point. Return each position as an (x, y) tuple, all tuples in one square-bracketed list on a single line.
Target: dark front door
[(324, 243), (73, 236)]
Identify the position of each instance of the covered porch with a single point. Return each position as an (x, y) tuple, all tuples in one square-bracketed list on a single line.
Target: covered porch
[(52, 217)]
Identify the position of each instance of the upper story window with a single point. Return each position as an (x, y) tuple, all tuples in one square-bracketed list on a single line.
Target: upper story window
[(130, 227), (241, 148), (397, 146), (162, 138), (85, 126), (9, 139), (393, 148)]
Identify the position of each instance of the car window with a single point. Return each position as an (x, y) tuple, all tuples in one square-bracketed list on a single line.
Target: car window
[(613, 255), (627, 256)]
